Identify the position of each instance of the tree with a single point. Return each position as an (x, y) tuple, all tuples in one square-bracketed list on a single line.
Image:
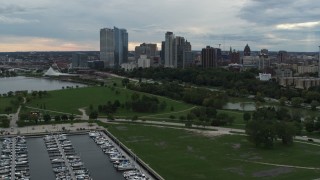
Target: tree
[(296, 101), (8, 109), (71, 117), (57, 118), (246, 116), (46, 117), (125, 82), (314, 105), (64, 117), (309, 125), (93, 115), (266, 125), (282, 101)]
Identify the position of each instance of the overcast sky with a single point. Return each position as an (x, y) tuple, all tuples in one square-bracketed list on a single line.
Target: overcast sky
[(67, 25)]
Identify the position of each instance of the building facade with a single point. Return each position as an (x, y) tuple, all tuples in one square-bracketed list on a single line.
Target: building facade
[(79, 60), (209, 57), (113, 47)]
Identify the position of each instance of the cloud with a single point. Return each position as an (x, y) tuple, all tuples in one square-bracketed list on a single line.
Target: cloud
[(11, 43), (14, 20), (280, 11), (298, 25), (263, 23)]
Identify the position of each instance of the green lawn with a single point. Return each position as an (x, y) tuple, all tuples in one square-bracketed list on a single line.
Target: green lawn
[(6, 102), (70, 100), (180, 154)]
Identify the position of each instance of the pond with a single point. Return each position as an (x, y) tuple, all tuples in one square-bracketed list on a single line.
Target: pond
[(21, 83)]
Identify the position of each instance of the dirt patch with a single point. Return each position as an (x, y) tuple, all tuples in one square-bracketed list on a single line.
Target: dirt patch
[(137, 139), (121, 128), (255, 158), (236, 146), (161, 144), (190, 149), (208, 133), (201, 157), (236, 170), (272, 172)]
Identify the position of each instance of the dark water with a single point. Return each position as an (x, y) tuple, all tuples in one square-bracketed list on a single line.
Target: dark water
[(94, 159), (91, 155), (37, 84), (39, 162)]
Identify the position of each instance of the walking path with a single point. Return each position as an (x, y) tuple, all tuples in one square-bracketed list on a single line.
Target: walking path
[(84, 114), (174, 112), (281, 165)]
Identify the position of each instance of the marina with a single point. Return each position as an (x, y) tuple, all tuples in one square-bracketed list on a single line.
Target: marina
[(86, 156)]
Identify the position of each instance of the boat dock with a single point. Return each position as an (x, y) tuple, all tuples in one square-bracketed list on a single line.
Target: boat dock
[(65, 159)]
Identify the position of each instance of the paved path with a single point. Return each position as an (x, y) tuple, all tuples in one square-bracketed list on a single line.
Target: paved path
[(84, 114), (173, 112), (281, 165)]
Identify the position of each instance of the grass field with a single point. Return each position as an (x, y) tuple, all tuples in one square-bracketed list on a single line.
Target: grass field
[(180, 154), (6, 102), (70, 100)]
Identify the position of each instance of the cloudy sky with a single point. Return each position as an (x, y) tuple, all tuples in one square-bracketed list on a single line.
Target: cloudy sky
[(67, 25)]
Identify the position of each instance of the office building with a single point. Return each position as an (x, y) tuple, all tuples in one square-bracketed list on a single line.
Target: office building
[(79, 60), (282, 57), (209, 57), (113, 47), (144, 61), (146, 49), (170, 50), (174, 50)]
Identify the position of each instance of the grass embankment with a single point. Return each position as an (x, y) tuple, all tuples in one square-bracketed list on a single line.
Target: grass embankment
[(70, 100), (180, 154)]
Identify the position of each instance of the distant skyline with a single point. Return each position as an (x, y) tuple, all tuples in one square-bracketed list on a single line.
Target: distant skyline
[(74, 25)]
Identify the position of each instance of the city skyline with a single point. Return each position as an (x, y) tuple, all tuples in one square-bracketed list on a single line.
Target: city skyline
[(43, 25)]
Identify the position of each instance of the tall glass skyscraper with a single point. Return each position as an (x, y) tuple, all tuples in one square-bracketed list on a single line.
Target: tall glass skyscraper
[(113, 47)]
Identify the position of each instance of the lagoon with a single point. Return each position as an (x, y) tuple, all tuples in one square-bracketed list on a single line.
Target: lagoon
[(21, 83)]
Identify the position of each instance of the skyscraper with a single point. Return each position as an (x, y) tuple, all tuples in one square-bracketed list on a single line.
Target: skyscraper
[(282, 56), (79, 60), (113, 47), (209, 57), (146, 49), (174, 50), (170, 50)]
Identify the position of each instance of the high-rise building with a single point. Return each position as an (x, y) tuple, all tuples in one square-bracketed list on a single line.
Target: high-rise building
[(146, 49), (79, 60), (174, 50), (170, 50), (282, 56), (113, 47), (107, 47), (234, 56), (264, 61), (162, 54), (209, 57), (180, 47)]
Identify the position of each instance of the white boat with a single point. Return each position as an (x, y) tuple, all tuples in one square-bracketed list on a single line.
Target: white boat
[(57, 160), (125, 166), (93, 134), (21, 162), (76, 164)]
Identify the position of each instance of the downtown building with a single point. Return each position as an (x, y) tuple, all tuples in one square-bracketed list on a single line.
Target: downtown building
[(113, 47), (210, 57), (174, 50)]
